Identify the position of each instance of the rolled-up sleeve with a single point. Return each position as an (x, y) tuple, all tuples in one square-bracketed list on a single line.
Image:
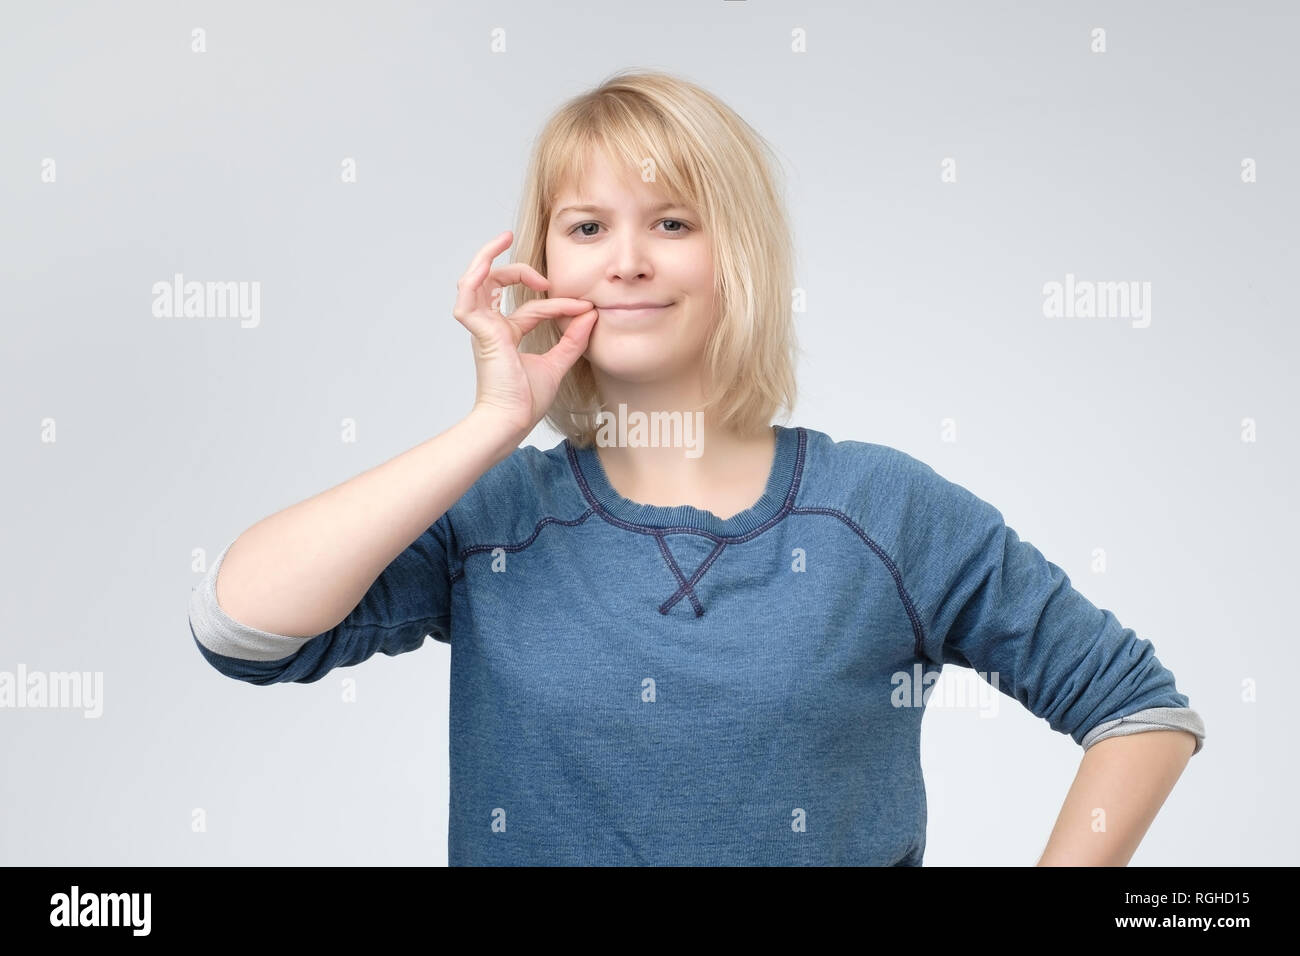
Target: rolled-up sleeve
[(1153, 718), (992, 602), (409, 601)]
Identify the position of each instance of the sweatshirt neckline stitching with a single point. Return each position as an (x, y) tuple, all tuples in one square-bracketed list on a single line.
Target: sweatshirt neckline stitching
[(791, 444)]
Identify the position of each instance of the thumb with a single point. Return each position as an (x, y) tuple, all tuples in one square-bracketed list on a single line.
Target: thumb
[(572, 344)]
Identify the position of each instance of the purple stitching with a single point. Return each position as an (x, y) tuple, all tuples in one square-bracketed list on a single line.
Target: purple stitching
[(687, 587), (529, 540), (727, 539), (917, 628), (516, 547), (721, 540)]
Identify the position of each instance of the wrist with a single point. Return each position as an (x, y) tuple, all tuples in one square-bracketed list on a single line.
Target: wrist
[(501, 435)]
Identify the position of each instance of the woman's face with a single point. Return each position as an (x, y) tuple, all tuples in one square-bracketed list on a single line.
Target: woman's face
[(628, 246)]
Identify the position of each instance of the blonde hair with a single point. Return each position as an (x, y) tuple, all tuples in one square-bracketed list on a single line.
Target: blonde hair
[(698, 152)]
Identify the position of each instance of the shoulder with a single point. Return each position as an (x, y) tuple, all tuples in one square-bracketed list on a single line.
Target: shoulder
[(857, 473), (896, 498), (508, 501)]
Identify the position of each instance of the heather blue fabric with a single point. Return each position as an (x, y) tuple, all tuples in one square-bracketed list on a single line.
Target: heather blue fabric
[(635, 684)]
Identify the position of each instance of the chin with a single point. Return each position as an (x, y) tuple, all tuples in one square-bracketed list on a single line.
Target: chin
[(628, 366)]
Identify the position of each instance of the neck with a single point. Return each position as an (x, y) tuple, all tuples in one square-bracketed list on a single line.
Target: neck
[(683, 460), (659, 446)]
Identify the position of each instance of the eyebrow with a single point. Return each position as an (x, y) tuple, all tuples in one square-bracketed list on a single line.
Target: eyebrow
[(588, 207)]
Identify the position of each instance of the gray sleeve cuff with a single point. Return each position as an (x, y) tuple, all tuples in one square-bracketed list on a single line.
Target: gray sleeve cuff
[(1153, 718), (222, 634)]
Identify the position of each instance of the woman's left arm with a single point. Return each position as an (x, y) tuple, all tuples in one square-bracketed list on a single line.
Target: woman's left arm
[(1121, 785)]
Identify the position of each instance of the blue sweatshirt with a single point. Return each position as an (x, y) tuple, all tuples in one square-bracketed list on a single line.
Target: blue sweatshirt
[(639, 684)]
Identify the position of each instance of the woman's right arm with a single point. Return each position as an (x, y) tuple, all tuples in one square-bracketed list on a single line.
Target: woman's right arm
[(300, 571)]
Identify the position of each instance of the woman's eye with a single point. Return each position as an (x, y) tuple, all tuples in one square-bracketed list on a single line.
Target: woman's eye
[(581, 226)]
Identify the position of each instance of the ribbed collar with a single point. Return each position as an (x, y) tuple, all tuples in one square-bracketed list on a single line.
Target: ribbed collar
[(778, 497)]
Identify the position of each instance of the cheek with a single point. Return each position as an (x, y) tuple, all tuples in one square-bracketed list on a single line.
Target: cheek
[(697, 272), (565, 272)]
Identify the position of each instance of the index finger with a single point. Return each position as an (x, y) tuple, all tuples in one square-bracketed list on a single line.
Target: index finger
[(486, 254), (517, 272)]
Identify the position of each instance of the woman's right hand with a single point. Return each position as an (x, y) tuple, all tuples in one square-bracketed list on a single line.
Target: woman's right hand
[(516, 387)]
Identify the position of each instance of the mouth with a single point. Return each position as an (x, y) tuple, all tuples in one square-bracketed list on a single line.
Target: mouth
[(639, 311)]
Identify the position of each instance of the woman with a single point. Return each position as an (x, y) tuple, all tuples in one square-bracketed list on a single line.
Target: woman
[(682, 635)]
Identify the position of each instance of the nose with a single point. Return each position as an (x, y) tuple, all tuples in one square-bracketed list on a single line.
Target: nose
[(628, 258)]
